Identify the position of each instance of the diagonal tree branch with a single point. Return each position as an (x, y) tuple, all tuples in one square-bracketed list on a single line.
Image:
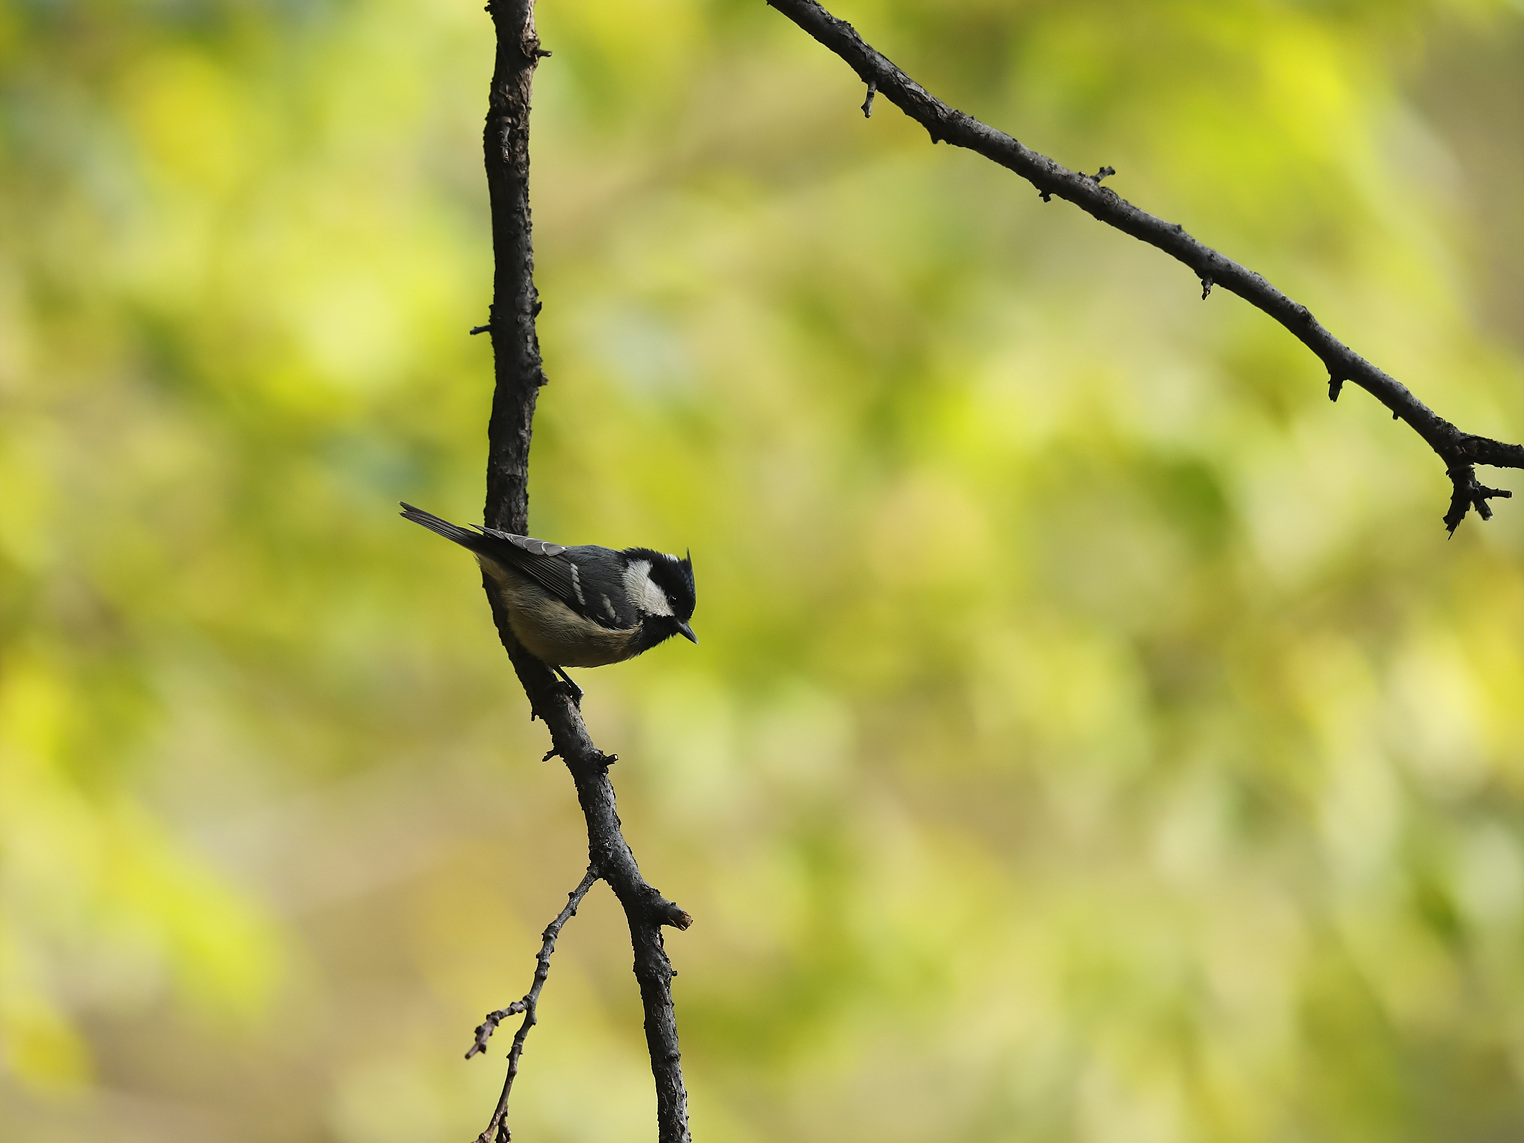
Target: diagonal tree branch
[(518, 377), (529, 1006), (1461, 451)]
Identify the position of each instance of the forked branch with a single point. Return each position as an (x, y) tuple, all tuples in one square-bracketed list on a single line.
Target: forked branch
[(1460, 451), (497, 1127)]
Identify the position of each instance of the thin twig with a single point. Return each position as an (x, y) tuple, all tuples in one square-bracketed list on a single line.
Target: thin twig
[(497, 1127), (1461, 451)]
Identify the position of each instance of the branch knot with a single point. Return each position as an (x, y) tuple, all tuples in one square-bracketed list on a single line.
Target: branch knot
[(1469, 493), (489, 1025)]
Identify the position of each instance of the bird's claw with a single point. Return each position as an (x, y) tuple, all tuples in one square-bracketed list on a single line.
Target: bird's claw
[(573, 691)]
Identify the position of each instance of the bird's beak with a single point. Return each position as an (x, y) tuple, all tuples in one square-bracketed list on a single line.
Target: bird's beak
[(687, 632)]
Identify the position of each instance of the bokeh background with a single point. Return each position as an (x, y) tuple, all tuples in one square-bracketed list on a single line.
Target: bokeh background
[(1094, 735)]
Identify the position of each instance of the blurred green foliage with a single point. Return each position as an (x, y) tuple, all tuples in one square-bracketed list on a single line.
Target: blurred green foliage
[(1094, 736)]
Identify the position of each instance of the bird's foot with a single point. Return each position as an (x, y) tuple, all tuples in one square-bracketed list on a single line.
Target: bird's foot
[(573, 690)]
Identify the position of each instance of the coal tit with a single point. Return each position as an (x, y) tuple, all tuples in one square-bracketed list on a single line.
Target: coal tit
[(584, 606)]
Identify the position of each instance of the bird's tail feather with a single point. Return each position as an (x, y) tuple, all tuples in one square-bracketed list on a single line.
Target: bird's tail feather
[(463, 536)]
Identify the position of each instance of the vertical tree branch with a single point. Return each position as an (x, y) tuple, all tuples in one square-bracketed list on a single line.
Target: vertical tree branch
[(518, 376), (517, 371)]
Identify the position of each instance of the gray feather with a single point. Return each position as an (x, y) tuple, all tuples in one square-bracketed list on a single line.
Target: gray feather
[(577, 576)]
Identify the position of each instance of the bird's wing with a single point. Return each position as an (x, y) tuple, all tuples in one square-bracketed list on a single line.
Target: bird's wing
[(575, 576), (587, 579), (523, 543), (540, 561), (602, 593)]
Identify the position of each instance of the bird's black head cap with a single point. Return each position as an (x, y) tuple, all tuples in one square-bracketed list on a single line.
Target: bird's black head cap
[(675, 579)]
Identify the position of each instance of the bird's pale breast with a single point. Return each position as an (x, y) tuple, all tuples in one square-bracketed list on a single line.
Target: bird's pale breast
[(551, 631)]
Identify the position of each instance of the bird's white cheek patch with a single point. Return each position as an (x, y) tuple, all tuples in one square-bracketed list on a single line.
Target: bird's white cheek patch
[(654, 600), (642, 592)]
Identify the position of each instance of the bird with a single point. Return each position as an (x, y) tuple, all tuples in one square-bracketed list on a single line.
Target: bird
[(583, 606)]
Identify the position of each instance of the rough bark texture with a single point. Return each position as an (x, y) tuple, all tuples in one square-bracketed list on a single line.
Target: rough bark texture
[(518, 377), (1461, 451), (515, 302)]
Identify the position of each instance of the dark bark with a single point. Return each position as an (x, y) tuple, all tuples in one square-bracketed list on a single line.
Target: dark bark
[(515, 302), (518, 378), (1461, 451)]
